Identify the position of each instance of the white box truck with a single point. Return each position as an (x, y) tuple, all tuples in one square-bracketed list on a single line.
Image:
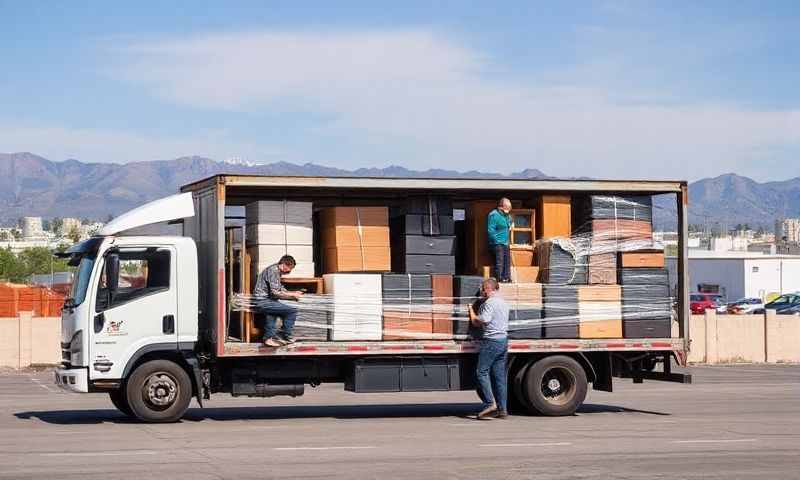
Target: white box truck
[(153, 346)]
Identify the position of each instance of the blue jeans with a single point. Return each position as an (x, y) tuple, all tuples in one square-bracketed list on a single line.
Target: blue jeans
[(502, 262), (491, 372), (273, 308)]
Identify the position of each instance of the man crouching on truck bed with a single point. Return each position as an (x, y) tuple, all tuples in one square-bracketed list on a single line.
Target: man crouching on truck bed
[(269, 285), (492, 317)]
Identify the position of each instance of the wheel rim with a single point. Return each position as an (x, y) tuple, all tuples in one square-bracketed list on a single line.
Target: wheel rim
[(558, 385), (160, 390)]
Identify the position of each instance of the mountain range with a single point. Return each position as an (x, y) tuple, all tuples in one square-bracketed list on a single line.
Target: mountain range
[(31, 185)]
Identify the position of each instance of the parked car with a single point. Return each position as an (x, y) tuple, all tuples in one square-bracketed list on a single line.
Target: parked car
[(700, 302), (788, 303), (744, 306)]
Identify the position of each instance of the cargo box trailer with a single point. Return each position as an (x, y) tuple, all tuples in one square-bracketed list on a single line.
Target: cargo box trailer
[(151, 319)]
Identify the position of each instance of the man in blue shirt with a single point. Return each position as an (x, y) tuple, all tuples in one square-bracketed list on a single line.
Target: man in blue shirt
[(498, 226), (491, 372)]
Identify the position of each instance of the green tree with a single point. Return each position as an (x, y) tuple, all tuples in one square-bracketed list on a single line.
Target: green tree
[(10, 267), (37, 260), (74, 234)]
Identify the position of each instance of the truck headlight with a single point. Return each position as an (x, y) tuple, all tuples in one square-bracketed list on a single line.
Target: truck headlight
[(76, 348)]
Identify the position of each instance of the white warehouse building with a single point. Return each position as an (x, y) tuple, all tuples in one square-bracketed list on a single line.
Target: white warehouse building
[(737, 275)]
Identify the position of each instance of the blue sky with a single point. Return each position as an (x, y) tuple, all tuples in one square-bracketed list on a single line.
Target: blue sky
[(609, 89)]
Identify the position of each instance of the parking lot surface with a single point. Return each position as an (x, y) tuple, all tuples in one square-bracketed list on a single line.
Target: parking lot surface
[(732, 422)]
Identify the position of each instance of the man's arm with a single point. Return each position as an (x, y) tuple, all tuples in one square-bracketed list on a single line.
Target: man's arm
[(476, 319), (276, 287)]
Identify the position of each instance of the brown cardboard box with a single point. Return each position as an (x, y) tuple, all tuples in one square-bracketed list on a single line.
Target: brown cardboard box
[(554, 216), (522, 257), (355, 259), (354, 227), (600, 329), (603, 268), (652, 258), (599, 293), (529, 294), (611, 234), (524, 274), (407, 326), (442, 292), (600, 318)]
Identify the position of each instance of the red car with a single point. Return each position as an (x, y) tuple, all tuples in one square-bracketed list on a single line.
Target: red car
[(700, 302)]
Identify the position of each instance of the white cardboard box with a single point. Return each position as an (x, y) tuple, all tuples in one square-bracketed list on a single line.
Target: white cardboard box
[(357, 310), (279, 234)]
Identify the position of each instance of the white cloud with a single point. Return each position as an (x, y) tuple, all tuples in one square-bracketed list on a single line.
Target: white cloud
[(106, 145), (419, 92)]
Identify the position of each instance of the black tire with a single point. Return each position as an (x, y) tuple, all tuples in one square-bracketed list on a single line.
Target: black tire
[(555, 386), (518, 403), (120, 401), (159, 391)]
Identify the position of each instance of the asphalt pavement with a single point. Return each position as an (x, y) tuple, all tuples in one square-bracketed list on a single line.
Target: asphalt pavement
[(732, 422)]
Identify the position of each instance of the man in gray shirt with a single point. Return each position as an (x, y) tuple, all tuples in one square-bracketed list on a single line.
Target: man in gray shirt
[(491, 372), (269, 285)]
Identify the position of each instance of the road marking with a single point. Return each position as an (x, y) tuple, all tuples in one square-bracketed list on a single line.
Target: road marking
[(323, 448), (738, 440), (46, 387), (552, 444), (124, 453)]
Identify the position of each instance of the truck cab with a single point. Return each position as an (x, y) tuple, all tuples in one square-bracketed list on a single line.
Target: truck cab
[(134, 298)]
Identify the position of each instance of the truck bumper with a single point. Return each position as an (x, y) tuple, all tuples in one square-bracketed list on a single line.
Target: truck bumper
[(73, 379)]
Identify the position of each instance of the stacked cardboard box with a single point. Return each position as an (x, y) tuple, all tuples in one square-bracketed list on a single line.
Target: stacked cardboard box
[(602, 268), (407, 306), (424, 240), (642, 259), (525, 309), (646, 303), (466, 291), (442, 289), (560, 311), (600, 311), (279, 227), (355, 239), (356, 310), (561, 261)]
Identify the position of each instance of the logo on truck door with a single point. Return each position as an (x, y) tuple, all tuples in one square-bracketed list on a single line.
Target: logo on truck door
[(113, 328)]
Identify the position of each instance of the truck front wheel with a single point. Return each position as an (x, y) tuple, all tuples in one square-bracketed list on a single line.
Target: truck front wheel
[(555, 386), (159, 391), (120, 401)]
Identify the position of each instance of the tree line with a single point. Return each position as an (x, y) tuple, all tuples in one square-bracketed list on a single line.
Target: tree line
[(18, 268)]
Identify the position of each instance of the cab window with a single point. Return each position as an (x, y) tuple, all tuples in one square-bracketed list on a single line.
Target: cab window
[(141, 273)]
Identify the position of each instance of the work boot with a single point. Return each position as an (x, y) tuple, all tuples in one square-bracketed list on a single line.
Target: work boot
[(273, 342), (502, 414), (286, 339), (487, 412)]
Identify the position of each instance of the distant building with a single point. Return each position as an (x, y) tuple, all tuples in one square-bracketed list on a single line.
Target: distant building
[(787, 229), (32, 228), (70, 224), (740, 274)]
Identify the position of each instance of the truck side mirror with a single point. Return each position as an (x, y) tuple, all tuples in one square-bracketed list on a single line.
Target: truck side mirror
[(112, 272)]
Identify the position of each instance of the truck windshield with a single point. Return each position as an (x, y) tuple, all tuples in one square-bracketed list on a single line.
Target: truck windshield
[(82, 276)]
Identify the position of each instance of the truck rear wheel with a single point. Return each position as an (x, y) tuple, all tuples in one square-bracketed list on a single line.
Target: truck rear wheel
[(518, 403), (555, 386), (159, 391), (120, 401)]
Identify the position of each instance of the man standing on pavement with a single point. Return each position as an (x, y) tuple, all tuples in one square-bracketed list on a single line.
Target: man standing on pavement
[(498, 226), (269, 285), (491, 371)]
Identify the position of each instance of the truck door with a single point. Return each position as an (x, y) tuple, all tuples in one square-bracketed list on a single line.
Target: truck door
[(135, 307)]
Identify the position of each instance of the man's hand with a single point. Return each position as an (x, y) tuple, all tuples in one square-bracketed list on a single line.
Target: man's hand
[(297, 294)]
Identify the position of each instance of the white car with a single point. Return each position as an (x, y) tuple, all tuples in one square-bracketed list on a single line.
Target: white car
[(745, 306)]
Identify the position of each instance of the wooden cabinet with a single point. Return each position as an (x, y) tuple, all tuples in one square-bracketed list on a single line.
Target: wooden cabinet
[(554, 216), (477, 236)]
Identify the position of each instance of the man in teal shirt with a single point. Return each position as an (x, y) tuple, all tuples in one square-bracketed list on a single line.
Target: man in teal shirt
[(498, 225)]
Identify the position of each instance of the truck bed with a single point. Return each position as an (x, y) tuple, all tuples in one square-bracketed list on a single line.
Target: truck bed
[(453, 347)]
